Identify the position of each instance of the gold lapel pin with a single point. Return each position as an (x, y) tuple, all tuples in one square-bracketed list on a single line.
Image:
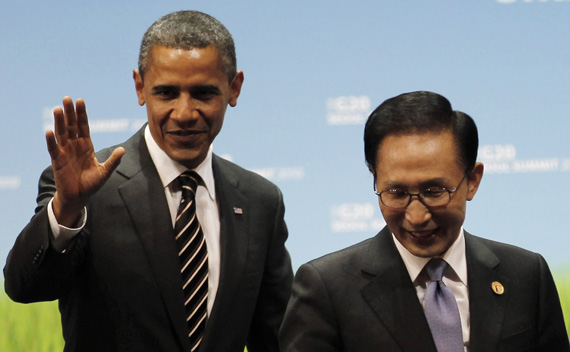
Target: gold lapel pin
[(498, 287)]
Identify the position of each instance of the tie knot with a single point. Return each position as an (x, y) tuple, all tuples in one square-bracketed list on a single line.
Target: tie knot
[(189, 181), (435, 269)]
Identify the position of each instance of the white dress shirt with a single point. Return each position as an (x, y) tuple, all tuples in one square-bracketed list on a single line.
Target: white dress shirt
[(206, 210), (454, 277)]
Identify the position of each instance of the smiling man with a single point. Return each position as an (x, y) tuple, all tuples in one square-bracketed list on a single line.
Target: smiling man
[(162, 246), (423, 283)]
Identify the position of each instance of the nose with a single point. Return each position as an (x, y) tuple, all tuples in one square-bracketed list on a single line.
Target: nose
[(417, 213), (185, 109)]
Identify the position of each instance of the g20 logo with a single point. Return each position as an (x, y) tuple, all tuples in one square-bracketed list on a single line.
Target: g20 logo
[(497, 152)]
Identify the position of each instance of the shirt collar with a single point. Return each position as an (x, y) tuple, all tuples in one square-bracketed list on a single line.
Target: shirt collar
[(169, 170), (454, 256)]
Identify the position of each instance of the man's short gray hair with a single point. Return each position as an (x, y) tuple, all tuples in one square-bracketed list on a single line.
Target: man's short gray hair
[(189, 30)]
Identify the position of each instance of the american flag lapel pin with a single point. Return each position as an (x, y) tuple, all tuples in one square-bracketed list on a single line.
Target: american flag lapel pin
[(238, 211)]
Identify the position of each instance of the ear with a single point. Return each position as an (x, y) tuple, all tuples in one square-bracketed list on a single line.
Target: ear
[(139, 86), (474, 179), (235, 88)]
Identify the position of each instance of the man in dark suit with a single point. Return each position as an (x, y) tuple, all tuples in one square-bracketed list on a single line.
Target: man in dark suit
[(102, 240), (377, 295)]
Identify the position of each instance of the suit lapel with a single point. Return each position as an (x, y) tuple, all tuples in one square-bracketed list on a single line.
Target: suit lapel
[(487, 309), (153, 225), (392, 296), (234, 239)]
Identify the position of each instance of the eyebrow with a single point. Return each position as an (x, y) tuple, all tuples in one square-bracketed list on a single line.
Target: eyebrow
[(197, 88), (163, 87), (206, 87), (427, 183)]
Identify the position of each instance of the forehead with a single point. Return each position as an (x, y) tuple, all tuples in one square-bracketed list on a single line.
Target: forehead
[(418, 157), (185, 62)]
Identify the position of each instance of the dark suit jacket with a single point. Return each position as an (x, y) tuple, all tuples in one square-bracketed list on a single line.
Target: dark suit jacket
[(119, 284), (362, 299)]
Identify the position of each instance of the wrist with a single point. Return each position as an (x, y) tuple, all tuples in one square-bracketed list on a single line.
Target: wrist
[(68, 213)]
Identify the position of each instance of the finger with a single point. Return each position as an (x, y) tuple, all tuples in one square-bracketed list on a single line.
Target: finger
[(59, 126), (52, 145), (70, 117), (82, 122)]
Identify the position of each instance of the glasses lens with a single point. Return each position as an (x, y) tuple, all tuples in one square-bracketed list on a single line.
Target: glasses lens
[(402, 199), (395, 200), (435, 198)]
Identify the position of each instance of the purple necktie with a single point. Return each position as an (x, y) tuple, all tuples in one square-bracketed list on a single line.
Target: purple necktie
[(441, 310)]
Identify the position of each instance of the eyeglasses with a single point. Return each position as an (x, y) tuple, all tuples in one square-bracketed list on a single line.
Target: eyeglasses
[(430, 197)]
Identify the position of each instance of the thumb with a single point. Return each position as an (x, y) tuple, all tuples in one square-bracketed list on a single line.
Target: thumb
[(114, 160)]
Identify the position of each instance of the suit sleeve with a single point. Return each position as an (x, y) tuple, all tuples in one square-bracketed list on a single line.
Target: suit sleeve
[(310, 323), (552, 334), (34, 271), (275, 289)]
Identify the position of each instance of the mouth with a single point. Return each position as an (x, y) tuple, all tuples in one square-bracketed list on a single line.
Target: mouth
[(184, 132), (422, 236), (185, 136)]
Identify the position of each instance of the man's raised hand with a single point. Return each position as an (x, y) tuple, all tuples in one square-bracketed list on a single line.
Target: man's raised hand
[(77, 172)]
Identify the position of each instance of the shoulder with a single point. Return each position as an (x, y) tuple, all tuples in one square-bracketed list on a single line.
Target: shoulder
[(502, 250), (245, 180), (134, 146), (509, 259), (347, 260)]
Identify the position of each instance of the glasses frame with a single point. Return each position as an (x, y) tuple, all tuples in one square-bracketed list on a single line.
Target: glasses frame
[(419, 195)]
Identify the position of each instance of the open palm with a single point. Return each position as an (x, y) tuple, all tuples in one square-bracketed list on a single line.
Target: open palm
[(77, 172)]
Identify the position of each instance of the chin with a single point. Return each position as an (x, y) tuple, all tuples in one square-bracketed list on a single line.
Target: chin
[(425, 252), (188, 158)]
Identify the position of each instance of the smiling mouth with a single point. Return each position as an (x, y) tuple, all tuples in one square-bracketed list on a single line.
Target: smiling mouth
[(422, 235), (184, 133), (185, 136)]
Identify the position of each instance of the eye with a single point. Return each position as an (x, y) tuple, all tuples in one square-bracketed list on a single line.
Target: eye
[(165, 93), (205, 93), (433, 192), (204, 96), (395, 193)]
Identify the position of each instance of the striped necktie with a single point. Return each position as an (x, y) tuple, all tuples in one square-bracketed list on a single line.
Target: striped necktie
[(193, 259), (441, 310)]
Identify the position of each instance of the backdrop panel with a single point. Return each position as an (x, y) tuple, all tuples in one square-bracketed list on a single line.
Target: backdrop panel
[(314, 70)]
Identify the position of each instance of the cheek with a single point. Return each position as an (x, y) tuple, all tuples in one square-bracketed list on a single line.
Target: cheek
[(216, 107), (215, 120), (452, 217), (157, 114), (392, 217), (459, 209)]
